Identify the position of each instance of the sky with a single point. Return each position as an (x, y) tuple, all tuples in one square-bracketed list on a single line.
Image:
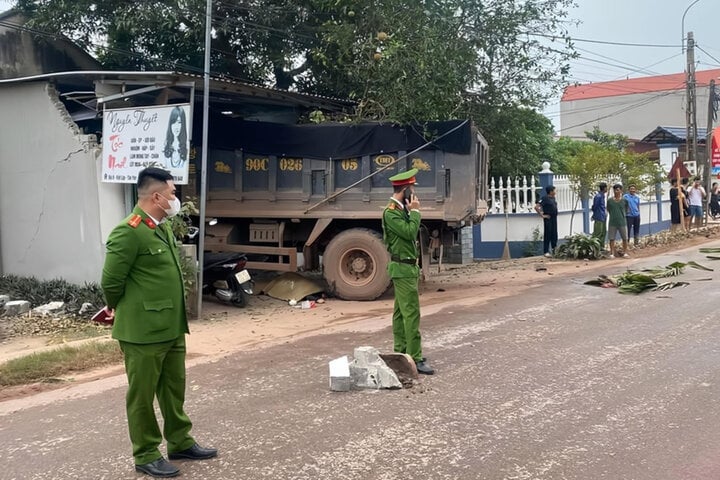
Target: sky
[(639, 23)]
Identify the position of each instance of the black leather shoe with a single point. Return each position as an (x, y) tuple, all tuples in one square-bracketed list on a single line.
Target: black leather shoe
[(422, 367), (159, 468), (196, 452)]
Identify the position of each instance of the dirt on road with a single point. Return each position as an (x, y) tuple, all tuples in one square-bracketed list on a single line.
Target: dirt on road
[(266, 321)]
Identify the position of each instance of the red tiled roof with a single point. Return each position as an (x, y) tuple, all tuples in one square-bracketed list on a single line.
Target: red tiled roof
[(615, 88)]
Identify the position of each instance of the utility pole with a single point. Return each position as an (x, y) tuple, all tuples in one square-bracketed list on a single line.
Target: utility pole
[(691, 108), (708, 136), (708, 142)]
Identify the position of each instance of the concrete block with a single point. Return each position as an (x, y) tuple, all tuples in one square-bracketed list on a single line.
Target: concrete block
[(16, 307), (4, 299), (340, 379), (49, 308), (368, 370), (86, 307)]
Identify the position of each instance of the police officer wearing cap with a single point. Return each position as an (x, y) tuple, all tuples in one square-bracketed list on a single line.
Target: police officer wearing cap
[(401, 223), (143, 286)]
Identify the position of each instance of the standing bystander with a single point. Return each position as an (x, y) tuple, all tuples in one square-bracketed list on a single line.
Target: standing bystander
[(547, 209), (633, 214), (696, 194), (617, 208), (715, 200), (599, 214)]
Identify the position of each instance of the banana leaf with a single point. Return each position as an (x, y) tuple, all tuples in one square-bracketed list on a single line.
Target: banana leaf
[(668, 285), (698, 266)]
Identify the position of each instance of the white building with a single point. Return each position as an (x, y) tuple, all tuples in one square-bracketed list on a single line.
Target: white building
[(634, 106)]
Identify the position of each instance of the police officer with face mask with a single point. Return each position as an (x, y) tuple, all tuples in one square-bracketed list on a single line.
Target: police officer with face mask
[(143, 286)]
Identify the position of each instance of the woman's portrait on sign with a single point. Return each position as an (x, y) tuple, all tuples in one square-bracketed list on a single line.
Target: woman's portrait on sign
[(176, 150)]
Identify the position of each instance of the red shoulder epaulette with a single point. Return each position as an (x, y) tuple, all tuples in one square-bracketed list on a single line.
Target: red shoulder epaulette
[(135, 220)]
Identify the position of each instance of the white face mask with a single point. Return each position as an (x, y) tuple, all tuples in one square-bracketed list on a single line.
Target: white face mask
[(174, 208)]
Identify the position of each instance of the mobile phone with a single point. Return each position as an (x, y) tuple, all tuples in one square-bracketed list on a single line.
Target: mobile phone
[(102, 316), (407, 196)]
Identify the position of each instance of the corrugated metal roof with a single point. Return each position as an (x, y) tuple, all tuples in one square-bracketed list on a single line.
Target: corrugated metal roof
[(663, 135)]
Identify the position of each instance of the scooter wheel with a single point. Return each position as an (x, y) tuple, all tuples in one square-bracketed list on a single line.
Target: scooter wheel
[(240, 301)]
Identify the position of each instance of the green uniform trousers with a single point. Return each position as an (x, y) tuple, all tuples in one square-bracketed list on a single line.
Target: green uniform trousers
[(156, 369), (600, 232), (406, 317)]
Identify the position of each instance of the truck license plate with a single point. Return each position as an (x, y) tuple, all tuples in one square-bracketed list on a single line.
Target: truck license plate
[(242, 276)]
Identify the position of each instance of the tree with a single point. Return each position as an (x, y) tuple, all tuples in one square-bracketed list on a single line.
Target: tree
[(520, 139), (494, 61), (401, 60)]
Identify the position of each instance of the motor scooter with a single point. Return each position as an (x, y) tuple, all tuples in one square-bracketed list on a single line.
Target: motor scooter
[(225, 276)]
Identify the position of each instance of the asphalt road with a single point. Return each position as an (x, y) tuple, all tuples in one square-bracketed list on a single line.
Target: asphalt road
[(563, 381)]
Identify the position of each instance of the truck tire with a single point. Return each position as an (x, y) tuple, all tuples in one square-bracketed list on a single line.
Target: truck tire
[(355, 265)]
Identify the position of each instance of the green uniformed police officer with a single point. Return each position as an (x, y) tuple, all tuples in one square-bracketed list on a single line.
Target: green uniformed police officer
[(143, 287), (401, 223)]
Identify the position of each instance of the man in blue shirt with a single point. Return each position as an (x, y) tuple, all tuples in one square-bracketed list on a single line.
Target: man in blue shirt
[(599, 214), (633, 214)]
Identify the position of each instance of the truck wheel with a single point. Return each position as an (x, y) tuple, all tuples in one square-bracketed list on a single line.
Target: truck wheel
[(355, 265)]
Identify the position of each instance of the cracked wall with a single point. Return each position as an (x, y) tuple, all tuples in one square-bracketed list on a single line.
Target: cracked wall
[(54, 212)]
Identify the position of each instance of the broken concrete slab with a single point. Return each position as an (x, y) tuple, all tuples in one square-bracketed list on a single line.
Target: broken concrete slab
[(49, 308), (404, 367), (4, 299), (368, 370)]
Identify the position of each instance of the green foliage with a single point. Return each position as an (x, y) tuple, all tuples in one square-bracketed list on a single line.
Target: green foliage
[(578, 246), (181, 222), (615, 141), (520, 139), (638, 282), (40, 292)]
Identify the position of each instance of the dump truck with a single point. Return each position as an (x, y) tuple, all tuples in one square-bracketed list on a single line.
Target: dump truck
[(304, 197)]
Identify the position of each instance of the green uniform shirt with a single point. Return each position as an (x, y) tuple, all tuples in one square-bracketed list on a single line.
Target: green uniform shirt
[(400, 229), (142, 281)]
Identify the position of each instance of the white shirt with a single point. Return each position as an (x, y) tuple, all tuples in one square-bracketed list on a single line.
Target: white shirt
[(695, 195)]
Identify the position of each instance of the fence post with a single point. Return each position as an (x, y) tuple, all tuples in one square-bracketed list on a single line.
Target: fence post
[(658, 198), (546, 178), (585, 201)]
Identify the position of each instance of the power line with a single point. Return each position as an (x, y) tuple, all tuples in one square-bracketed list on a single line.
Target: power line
[(622, 110), (605, 42), (706, 53)]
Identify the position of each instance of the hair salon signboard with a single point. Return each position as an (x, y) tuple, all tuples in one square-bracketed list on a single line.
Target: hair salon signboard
[(140, 137)]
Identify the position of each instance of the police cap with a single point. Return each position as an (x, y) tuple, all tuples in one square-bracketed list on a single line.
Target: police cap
[(404, 178)]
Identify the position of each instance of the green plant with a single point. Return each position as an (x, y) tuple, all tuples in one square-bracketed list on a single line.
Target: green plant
[(532, 248), (181, 222), (579, 245), (188, 266), (40, 292)]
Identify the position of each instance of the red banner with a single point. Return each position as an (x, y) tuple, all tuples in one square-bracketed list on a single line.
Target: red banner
[(715, 159)]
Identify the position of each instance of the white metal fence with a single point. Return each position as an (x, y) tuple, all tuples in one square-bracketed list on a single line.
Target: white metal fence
[(523, 192)]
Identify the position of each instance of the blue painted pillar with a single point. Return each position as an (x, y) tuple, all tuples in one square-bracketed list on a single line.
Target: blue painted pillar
[(546, 178), (585, 201)]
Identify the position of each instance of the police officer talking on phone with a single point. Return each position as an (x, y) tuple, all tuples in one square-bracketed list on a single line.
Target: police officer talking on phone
[(401, 224)]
